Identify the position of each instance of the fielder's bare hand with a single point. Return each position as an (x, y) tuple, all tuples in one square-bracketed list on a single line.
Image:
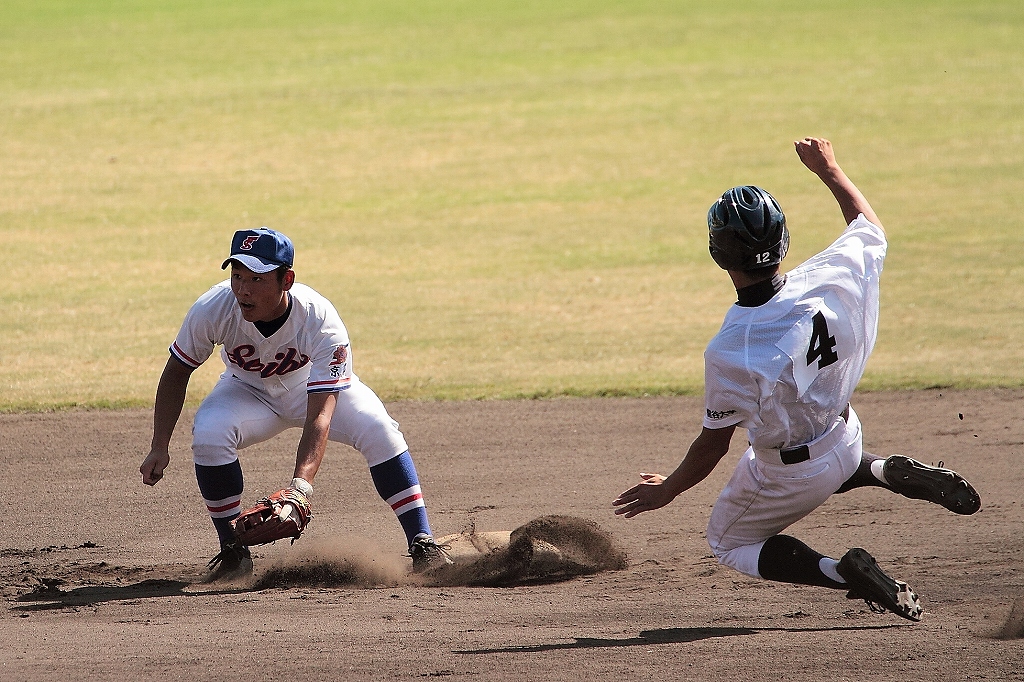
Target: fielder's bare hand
[(153, 466), (650, 494), (816, 153)]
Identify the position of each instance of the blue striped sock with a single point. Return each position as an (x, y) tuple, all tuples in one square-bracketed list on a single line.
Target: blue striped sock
[(398, 485), (221, 487)]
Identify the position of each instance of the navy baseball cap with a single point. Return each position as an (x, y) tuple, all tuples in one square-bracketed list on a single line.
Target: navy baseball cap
[(261, 250)]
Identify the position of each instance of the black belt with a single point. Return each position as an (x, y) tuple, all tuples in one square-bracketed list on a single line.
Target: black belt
[(802, 453)]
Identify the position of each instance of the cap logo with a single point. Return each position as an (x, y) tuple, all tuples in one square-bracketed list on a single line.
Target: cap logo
[(247, 243)]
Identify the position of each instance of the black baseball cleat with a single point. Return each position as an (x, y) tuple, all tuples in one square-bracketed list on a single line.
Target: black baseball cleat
[(910, 478), (868, 582), (427, 554), (233, 562)]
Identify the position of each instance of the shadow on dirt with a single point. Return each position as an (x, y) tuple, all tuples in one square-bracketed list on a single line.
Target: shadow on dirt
[(548, 549), (1013, 628), (662, 636), (49, 596)]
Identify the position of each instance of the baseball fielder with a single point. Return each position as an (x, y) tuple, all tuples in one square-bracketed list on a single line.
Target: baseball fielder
[(784, 366), (288, 363)]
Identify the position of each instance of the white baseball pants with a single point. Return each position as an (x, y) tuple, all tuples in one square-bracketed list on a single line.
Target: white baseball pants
[(762, 499), (235, 415)]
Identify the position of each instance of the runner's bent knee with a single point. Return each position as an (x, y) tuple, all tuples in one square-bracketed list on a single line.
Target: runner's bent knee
[(743, 559)]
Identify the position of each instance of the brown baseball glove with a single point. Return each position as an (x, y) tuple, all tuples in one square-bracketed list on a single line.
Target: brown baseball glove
[(284, 514)]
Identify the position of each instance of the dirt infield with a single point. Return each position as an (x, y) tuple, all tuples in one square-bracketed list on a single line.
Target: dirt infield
[(98, 572)]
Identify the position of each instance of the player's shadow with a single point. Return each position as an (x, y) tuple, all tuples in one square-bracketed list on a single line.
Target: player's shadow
[(661, 636), (48, 596)]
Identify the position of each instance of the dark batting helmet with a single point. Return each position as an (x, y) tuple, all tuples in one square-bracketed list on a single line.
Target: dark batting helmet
[(747, 230)]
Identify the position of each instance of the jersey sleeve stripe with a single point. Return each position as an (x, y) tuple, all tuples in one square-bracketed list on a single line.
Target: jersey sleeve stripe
[(181, 355), (330, 382), (331, 386)]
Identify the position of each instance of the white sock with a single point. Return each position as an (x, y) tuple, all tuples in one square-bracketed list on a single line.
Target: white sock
[(828, 567), (876, 470)]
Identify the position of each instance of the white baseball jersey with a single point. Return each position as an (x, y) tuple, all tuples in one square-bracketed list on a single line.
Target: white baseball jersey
[(310, 350), (786, 370)]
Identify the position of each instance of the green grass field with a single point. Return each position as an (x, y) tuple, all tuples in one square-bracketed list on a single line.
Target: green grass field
[(501, 198)]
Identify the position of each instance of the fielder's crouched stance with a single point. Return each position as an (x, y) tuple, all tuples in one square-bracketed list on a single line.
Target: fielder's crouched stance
[(784, 366), (288, 364)]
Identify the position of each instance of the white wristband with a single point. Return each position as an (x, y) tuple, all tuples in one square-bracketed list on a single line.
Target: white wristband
[(303, 486)]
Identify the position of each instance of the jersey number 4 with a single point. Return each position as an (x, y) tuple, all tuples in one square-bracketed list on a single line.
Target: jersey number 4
[(822, 347)]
